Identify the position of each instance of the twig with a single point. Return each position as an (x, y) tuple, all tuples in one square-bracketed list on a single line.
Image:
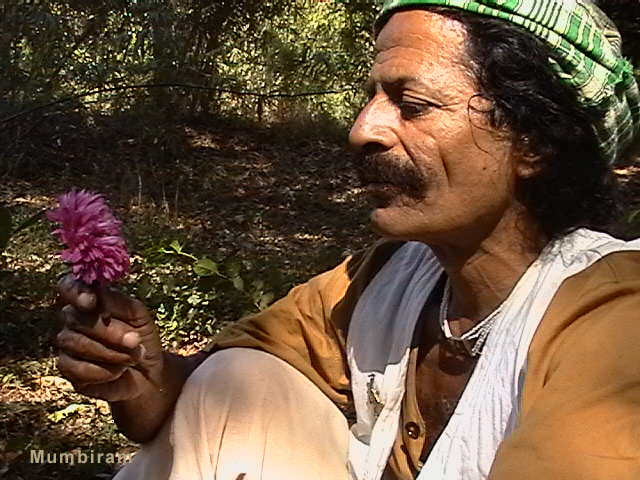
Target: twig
[(174, 85)]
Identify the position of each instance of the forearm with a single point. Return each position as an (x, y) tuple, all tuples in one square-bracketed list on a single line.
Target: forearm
[(140, 419)]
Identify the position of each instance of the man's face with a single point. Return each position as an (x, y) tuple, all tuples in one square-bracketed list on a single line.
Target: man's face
[(437, 171)]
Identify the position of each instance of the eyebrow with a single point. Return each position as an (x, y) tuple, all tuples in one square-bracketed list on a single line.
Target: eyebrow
[(404, 81)]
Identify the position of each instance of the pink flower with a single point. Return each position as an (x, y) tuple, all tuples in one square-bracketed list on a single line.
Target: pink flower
[(95, 249)]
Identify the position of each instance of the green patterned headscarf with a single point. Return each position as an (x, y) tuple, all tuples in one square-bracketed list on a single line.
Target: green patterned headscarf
[(588, 46)]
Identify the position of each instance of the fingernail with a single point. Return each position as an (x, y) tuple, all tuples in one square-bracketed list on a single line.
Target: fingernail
[(131, 340), (66, 281), (87, 300), (139, 355)]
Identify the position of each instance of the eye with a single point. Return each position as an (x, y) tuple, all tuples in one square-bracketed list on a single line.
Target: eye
[(414, 109)]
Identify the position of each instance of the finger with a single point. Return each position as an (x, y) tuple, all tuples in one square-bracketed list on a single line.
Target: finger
[(83, 347), (73, 317), (77, 293), (82, 372), (116, 304), (127, 387), (116, 334)]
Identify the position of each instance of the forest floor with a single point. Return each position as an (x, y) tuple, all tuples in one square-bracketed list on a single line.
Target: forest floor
[(283, 200)]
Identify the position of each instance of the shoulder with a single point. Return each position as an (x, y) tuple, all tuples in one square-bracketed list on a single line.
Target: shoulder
[(613, 270), (612, 279), (592, 319), (611, 283)]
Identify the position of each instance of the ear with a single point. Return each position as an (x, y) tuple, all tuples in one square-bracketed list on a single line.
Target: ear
[(528, 166), (527, 163)]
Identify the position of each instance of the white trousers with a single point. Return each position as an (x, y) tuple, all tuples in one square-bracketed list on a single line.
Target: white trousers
[(247, 415)]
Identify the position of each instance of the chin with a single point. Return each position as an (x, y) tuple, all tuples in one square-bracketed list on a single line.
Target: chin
[(385, 221), (408, 224)]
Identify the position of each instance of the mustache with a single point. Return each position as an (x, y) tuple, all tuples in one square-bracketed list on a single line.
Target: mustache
[(385, 168)]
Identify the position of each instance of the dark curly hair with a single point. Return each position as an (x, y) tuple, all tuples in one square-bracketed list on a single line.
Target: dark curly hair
[(574, 186)]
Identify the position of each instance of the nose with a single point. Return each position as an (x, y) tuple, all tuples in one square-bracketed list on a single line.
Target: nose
[(373, 131)]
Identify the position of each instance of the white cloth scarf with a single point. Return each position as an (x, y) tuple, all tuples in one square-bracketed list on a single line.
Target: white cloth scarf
[(378, 347)]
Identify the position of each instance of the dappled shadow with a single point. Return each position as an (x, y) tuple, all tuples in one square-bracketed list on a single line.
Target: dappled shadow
[(280, 198), (28, 323), (230, 189), (25, 428), (284, 198)]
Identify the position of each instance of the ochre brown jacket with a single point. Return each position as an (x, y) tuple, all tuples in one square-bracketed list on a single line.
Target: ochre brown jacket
[(581, 402)]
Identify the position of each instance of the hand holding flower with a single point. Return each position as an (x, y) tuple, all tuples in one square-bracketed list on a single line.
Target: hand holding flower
[(109, 346)]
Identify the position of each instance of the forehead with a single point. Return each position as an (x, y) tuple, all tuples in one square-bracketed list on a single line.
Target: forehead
[(420, 45)]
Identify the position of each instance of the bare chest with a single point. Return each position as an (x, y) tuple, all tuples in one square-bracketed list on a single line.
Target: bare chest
[(442, 373)]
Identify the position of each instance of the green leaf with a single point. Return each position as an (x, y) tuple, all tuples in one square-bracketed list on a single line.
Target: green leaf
[(72, 409), (238, 283), (5, 227), (176, 248), (265, 300), (206, 267), (258, 285), (233, 268)]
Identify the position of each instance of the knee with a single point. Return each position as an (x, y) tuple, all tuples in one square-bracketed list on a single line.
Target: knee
[(249, 410), (238, 373)]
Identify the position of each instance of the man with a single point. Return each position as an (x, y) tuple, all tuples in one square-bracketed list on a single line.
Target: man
[(487, 336)]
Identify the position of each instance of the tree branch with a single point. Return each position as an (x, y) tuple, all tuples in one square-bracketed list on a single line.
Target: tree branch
[(173, 85)]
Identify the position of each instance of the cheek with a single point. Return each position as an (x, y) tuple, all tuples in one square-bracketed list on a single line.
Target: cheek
[(422, 148), (477, 161), (460, 160)]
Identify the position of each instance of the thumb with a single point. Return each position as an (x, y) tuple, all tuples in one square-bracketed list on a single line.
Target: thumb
[(77, 293), (116, 304)]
